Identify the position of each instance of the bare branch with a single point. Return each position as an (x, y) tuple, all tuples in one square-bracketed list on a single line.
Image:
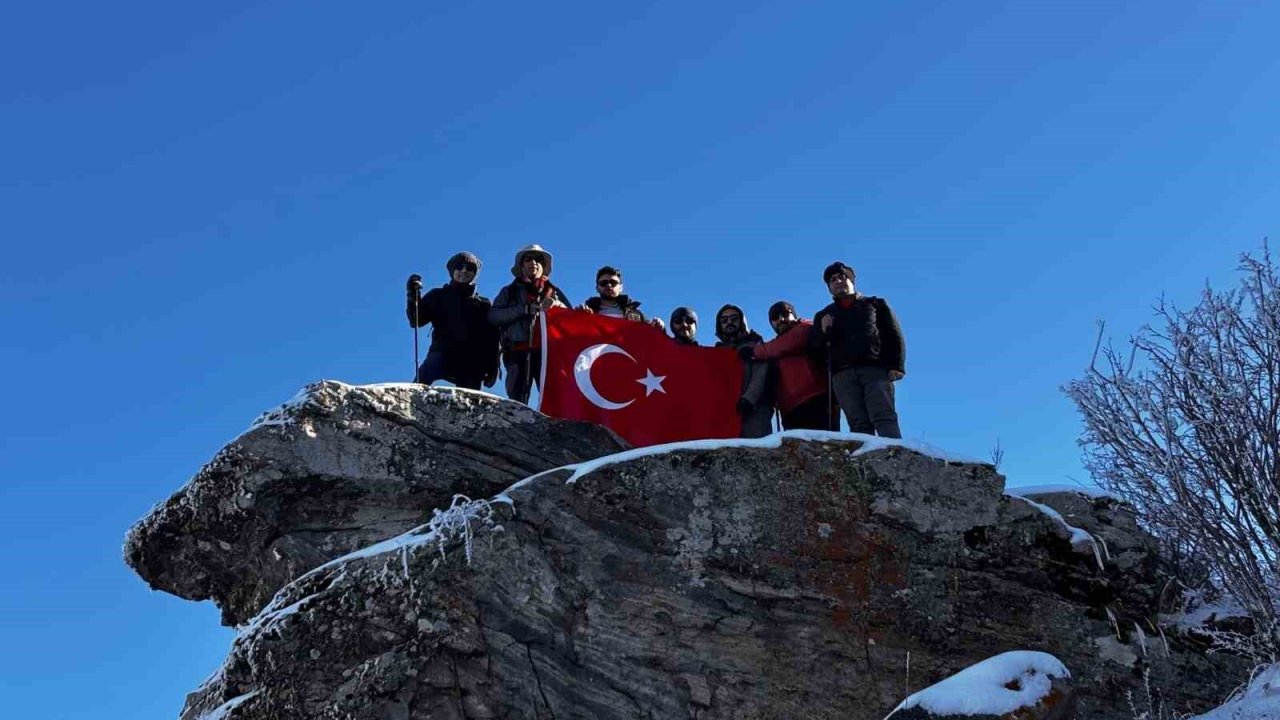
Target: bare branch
[(1186, 426)]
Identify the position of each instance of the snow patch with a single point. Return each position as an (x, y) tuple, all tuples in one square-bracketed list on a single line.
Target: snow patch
[(870, 443), (283, 414), (1081, 540), (1085, 490), (996, 686), (1198, 611), (1259, 700), (221, 712)]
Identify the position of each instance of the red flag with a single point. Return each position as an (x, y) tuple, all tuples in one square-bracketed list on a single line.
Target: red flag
[(634, 379)]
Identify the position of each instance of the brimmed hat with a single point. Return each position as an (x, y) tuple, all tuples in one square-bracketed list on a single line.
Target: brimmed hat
[(535, 250)]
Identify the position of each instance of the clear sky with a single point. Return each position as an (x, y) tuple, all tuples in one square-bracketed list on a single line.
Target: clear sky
[(205, 206)]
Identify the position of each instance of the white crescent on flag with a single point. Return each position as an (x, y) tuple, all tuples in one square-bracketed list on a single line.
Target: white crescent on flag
[(582, 374)]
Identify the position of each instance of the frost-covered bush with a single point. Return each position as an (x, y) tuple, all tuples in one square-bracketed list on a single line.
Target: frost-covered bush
[(1185, 424)]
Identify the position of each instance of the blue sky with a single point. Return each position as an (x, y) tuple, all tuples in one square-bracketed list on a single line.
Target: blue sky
[(205, 207)]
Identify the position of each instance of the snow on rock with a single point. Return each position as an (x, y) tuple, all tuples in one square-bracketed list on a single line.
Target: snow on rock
[(1081, 540), (1002, 684), (768, 556), (337, 468), (1200, 611), (869, 443), (222, 712), (456, 522), (1085, 490), (1259, 700)]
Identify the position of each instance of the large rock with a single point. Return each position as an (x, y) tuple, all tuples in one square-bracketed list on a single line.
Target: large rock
[(783, 578), (336, 469)]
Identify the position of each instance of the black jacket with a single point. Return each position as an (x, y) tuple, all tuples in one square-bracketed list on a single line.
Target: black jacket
[(630, 308), (865, 333), (461, 329)]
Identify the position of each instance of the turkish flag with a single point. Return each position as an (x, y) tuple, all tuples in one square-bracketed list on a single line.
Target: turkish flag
[(637, 381)]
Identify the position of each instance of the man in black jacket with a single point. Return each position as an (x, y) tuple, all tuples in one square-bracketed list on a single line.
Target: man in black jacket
[(464, 346), (864, 343), (514, 310), (611, 301)]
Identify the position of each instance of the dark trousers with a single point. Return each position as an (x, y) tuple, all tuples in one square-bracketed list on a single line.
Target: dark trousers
[(812, 414), (758, 422), (434, 368), (865, 395), (524, 367)]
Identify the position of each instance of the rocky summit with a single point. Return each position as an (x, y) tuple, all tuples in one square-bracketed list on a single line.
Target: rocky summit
[(404, 552)]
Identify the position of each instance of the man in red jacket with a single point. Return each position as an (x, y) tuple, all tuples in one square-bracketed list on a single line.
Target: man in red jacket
[(801, 394)]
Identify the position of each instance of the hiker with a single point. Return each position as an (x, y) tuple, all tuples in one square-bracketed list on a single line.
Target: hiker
[(684, 326), (755, 406), (464, 346), (866, 353), (610, 300), (801, 391), (514, 312)]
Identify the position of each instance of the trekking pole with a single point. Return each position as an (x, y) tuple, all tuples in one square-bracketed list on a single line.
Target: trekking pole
[(417, 298), (832, 422), (527, 381)]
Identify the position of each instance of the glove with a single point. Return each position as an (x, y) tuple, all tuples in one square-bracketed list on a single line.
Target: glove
[(747, 353), (414, 286), (744, 406)]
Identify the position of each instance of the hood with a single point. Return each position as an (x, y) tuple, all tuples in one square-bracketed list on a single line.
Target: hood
[(729, 306)]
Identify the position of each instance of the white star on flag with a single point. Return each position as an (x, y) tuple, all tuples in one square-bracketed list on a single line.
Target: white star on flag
[(652, 383)]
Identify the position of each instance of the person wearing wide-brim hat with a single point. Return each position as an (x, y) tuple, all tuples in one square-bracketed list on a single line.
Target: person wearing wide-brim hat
[(514, 310), (464, 346)]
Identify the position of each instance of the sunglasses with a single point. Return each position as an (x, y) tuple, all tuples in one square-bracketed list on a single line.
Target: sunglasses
[(684, 320), (608, 283), (468, 266)]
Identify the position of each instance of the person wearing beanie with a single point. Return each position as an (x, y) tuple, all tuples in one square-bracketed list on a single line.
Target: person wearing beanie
[(684, 326), (514, 311), (756, 403), (801, 390), (611, 301), (464, 346), (866, 353)]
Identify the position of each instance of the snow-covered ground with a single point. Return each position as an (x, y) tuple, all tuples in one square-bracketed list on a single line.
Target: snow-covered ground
[(1259, 700)]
